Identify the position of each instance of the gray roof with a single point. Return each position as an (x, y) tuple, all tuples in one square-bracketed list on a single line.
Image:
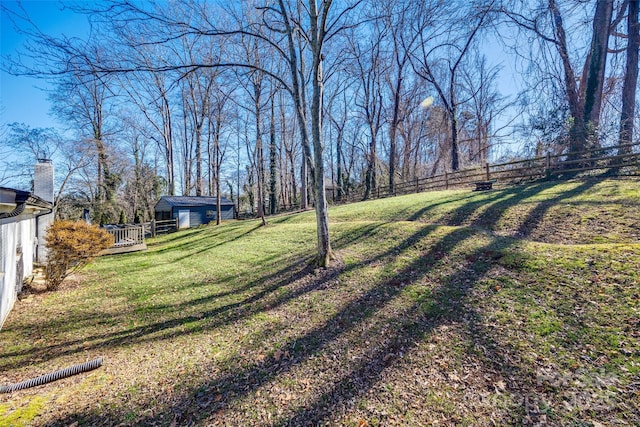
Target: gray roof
[(178, 201), (11, 195)]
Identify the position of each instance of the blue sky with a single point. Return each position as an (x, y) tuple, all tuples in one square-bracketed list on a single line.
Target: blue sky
[(22, 99)]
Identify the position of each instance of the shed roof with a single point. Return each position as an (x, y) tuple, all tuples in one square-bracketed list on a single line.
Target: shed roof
[(178, 201)]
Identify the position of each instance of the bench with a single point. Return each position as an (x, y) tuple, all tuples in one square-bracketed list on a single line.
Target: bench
[(483, 185)]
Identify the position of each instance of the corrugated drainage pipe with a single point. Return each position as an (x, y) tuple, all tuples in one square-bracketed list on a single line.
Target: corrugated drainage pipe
[(53, 376)]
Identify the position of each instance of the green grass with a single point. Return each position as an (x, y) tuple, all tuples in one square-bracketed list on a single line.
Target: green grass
[(515, 306)]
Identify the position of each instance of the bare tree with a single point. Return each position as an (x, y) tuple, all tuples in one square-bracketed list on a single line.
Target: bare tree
[(583, 89), (150, 92), (396, 17), (219, 148), (593, 78), (449, 54), (83, 101), (630, 85), (370, 67), (320, 29), (338, 111), (26, 145), (291, 151), (273, 152), (296, 32), (484, 105), (142, 186), (198, 86)]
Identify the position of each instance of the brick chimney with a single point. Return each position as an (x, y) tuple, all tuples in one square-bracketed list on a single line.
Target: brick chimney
[(43, 188)]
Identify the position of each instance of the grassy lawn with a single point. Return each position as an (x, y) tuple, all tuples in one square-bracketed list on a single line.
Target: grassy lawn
[(518, 306)]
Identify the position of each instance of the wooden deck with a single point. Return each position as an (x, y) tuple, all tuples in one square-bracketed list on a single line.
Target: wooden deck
[(127, 239)]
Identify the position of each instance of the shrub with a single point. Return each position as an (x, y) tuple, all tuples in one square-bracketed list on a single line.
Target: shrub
[(72, 245)]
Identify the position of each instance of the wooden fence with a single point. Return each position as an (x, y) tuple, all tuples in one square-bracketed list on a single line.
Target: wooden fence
[(153, 228), (597, 159)]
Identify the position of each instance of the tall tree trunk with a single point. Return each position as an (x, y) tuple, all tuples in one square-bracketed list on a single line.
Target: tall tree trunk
[(322, 212), (314, 160), (455, 160), (304, 180), (630, 84), (584, 103), (167, 136), (100, 190), (210, 160), (294, 185), (218, 164), (370, 175), (394, 129), (259, 162), (339, 181), (273, 171), (596, 65), (187, 155), (577, 131), (199, 182), (282, 176), (453, 116)]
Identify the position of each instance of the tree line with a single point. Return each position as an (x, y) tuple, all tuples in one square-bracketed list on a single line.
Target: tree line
[(271, 102)]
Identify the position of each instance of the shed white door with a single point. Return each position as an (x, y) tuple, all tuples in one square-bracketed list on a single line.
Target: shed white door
[(183, 219)]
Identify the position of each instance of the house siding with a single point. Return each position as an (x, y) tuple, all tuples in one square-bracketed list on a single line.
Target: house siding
[(169, 206), (198, 214), (17, 242), (163, 206)]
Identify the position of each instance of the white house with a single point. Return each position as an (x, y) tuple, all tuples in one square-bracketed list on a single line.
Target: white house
[(24, 218)]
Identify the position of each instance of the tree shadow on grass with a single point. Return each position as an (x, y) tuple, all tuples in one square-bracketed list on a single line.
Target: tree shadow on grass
[(495, 206), (260, 287), (444, 305), (450, 304), (421, 214), (238, 383), (487, 212), (412, 325), (169, 326), (204, 242)]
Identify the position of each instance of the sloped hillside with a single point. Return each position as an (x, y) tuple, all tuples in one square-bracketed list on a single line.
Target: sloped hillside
[(519, 306)]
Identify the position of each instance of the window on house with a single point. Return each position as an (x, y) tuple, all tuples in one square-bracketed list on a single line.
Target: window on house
[(210, 213)]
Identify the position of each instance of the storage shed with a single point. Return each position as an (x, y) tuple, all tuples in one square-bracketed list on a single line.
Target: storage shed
[(192, 211)]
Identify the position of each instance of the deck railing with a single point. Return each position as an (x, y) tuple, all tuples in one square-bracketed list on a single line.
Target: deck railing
[(127, 236), (126, 239)]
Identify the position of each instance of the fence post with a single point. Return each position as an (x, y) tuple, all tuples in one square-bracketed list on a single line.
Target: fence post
[(446, 180), (486, 165), (153, 227), (548, 169)]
